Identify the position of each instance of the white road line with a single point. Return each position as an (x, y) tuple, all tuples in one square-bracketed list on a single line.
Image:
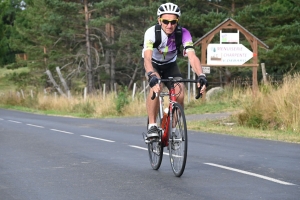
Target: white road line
[(137, 147), (97, 138), (250, 174), (35, 125), (15, 121), (1, 119), (146, 149), (61, 131)]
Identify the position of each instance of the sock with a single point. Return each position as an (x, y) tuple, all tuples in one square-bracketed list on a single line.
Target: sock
[(154, 124)]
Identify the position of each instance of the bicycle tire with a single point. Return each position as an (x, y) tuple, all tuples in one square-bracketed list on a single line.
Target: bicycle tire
[(155, 147), (178, 141)]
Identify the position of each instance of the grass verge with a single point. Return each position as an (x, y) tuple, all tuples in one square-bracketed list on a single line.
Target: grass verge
[(227, 127)]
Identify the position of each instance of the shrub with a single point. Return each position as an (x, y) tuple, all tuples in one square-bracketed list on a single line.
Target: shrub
[(86, 108), (122, 100), (275, 107)]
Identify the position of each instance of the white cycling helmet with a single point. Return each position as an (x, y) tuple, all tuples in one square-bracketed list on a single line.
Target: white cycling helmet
[(168, 8)]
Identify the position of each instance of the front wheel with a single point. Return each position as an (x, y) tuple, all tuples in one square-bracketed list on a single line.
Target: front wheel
[(178, 140)]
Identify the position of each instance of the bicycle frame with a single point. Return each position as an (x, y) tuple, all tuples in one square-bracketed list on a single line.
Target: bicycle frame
[(165, 129), (172, 99)]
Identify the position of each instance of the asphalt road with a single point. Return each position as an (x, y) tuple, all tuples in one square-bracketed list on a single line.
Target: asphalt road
[(61, 158)]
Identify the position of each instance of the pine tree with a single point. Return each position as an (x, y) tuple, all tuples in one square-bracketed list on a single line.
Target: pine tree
[(53, 34), (124, 23), (276, 22), (8, 11)]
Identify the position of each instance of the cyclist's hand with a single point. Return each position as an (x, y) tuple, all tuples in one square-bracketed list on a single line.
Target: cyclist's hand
[(202, 82), (153, 82)]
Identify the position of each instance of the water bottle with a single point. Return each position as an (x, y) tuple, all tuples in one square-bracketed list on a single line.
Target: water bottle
[(164, 119)]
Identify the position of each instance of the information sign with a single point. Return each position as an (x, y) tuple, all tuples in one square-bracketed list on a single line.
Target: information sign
[(227, 54)]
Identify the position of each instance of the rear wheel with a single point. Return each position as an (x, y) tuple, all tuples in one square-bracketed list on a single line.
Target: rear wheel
[(155, 147), (178, 140)]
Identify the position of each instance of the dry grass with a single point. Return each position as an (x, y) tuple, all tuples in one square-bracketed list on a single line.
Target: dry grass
[(222, 127), (93, 106), (275, 108), (273, 114), (137, 107)]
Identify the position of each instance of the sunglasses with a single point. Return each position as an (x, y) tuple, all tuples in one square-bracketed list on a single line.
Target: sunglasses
[(166, 22)]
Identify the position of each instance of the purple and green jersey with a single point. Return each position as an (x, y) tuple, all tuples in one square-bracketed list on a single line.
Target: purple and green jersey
[(166, 51)]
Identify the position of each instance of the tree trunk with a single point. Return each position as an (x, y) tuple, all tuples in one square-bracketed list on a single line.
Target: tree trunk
[(107, 67), (45, 58), (108, 52), (89, 70), (232, 8), (228, 76), (56, 86), (133, 77), (112, 71), (113, 66), (62, 80)]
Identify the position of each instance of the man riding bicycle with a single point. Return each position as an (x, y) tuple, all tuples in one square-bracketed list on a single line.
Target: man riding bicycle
[(160, 62)]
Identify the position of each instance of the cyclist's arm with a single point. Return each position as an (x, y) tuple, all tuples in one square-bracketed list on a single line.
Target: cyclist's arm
[(195, 62), (196, 65), (190, 51), (149, 39), (149, 68), (148, 61)]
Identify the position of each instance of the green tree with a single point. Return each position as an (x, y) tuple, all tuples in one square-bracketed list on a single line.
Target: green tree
[(276, 22), (53, 34), (102, 43), (124, 23), (8, 11)]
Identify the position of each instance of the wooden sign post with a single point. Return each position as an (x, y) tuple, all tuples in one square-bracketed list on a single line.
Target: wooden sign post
[(253, 41)]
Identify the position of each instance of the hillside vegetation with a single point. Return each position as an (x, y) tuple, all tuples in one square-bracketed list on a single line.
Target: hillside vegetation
[(102, 44), (52, 48)]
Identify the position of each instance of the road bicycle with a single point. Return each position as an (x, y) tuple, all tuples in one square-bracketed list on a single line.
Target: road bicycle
[(172, 127)]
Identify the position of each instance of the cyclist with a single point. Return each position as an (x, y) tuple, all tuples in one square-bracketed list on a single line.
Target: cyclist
[(160, 62)]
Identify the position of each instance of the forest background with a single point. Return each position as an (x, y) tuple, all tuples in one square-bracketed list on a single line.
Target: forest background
[(98, 42)]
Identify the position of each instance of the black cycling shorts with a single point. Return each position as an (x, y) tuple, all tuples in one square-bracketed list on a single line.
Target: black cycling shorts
[(168, 70)]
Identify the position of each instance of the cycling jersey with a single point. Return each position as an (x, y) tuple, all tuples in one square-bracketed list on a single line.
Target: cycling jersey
[(166, 52)]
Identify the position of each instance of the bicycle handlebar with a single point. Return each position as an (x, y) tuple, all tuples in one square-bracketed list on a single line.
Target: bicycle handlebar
[(199, 95)]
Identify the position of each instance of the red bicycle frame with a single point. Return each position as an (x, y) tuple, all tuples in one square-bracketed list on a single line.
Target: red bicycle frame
[(165, 136), (172, 99)]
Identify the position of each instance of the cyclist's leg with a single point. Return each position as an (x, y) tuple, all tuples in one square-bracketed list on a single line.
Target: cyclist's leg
[(152, 105), (152, 109), (179, 89), (173, 71)]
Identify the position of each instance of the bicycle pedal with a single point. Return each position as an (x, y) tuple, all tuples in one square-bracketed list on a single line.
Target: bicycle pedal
[(145, 138)]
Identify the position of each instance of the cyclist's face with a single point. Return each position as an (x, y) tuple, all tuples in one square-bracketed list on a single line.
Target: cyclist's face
[(170, 20)]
